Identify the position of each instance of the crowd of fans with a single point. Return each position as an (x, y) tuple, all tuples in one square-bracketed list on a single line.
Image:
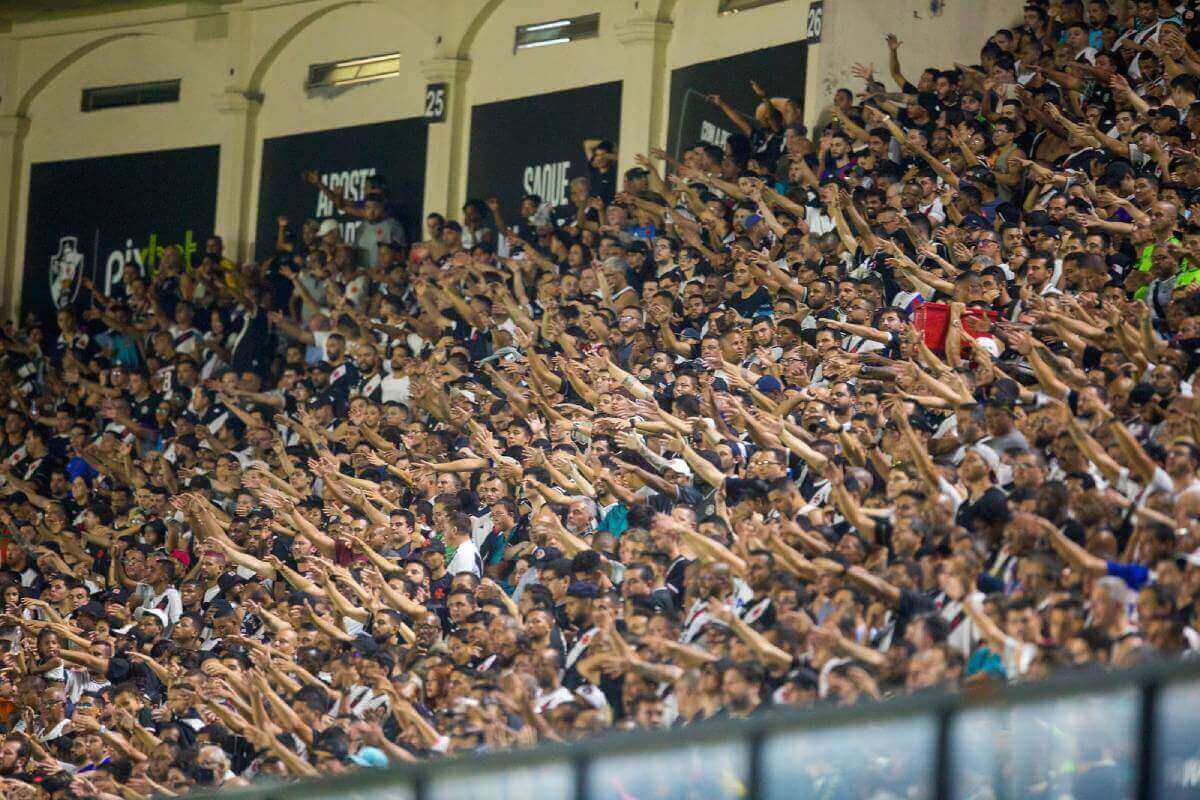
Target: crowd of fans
[(906, 404)]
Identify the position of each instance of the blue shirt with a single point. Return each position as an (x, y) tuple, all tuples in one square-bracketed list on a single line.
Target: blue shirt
[(615, 521), (125, 350), (1135, 575)]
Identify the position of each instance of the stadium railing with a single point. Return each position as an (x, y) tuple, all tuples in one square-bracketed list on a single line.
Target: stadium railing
[(1106, 735)]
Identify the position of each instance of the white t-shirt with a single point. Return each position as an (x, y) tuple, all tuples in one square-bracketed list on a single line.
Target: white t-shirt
[(169, 601), (963, 635), (481, 526), (466, 559), (1018, 657), (1132, 489), (819, 223), (318, 346), (936, 211)]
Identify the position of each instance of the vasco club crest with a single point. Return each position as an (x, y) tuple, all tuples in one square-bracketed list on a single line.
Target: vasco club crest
[(66, 272)]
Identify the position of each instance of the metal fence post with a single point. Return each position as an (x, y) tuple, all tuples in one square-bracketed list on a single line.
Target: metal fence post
[(942, 755), (1148, 744), (754, 777), (579, 769)]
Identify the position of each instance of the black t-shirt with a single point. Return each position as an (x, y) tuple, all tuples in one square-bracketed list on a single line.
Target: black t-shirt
[(282, 288), (676, 574), (766, 146), (912, 604), (143, 410), (122, 669), (342, 380), (604, 184), (826, 313), (884, 529), (254, 350), (439, 589), (747, 306), (59, 446), (690, 496), (37, 470), (565, 215), (477, 341), (167, 293), (966, 516)]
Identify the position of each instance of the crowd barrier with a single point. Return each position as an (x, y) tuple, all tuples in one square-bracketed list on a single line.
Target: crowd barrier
[(1103, 735)]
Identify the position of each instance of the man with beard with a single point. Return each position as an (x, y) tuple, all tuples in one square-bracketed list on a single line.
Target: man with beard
[(739, 688), (370, 380)]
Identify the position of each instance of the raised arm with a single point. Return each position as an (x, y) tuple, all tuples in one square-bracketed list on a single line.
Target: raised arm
[(988, 628), (733, 114), (1136, 457), (894, 44)]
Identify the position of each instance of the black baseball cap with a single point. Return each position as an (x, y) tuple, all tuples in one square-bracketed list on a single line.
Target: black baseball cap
[(583, 589), (92, 609)]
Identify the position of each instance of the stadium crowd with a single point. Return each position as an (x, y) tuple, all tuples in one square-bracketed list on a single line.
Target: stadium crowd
[(909, 403)]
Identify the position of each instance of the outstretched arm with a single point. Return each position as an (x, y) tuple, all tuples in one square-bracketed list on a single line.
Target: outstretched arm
[(1077, 556), (760, 645)]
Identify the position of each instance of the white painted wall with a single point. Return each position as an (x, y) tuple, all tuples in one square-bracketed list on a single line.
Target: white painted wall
[(500, 74), (854, 31), (348, 31), (703, 35)]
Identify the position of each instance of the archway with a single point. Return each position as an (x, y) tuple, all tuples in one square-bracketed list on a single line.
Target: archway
[(267, 87), (12, 207)]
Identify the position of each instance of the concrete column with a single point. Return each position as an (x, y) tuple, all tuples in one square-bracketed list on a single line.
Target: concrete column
[(445, 167), (237, 107), (13, 129), (644, 86), (238, 111), (815, 98)]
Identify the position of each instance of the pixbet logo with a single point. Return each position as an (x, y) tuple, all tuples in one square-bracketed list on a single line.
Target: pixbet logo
[(144, 259)]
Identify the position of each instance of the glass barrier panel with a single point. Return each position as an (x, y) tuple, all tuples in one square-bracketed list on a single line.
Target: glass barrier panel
[(1178, 763), (1081, 746), (397, 791), (698, 772), (552, 781), (895, 758)]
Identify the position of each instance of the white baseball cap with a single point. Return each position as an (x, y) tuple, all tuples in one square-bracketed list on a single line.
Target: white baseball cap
[(680, 466)]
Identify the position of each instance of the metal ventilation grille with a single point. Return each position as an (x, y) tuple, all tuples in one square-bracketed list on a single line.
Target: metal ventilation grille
[(559, 31), (734, 6), (355, 70), (130, 94)]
